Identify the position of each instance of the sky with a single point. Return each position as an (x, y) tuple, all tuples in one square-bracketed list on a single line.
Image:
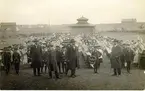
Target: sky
[(67, 11)]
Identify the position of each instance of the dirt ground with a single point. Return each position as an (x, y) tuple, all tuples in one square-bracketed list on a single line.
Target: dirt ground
[(85, 79)]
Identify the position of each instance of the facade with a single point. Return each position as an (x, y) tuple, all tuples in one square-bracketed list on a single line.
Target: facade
[(82, 26)]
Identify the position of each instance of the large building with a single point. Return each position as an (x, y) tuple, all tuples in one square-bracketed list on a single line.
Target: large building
[(126, 25), (82, 26)]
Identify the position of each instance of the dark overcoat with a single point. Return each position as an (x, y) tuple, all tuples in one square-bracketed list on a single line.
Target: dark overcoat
[(50, 59), (36, 56), (96, 55), (116, 56), (72, 57), (16, 58), (59, 56), (6, 58), (129, 56)]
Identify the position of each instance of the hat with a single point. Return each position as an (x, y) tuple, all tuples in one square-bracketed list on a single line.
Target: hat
[(15, 48), (49, 45), (72, 41), (97, 46), (35, 40), (6, 49), (116, 41)]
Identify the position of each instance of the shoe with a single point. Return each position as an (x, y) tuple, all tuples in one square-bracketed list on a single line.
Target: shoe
[(114, 75), (73, 76), (58, 78), (50, 78)]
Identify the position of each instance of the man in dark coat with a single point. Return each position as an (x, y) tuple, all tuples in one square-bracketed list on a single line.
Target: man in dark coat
[(64, 61), (51, 62), (7, 59), (59, 58), (72, 58), (96, 54), (36, 55), (16, 60), (129, 56), (115, 58), (45, 59)]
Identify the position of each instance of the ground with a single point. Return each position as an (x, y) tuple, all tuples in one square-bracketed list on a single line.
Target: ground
[(85, 79)]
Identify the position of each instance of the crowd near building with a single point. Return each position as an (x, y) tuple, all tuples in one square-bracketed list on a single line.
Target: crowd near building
[(82, 47)]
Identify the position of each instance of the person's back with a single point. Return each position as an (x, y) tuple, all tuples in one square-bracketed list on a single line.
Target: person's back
[(7, 57)]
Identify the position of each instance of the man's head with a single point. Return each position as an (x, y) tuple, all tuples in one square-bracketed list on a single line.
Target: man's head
[(72, 42), (57, 48), (35, 41), (50, 47)]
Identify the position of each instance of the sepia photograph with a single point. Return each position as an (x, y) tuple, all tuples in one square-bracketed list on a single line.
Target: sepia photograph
[(72, 44)]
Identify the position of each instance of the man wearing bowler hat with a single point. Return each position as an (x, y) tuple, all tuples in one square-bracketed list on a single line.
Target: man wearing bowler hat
[(72, 58), (115, 58), (36, 55)]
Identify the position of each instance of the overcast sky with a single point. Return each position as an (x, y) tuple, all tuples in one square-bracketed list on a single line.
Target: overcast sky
[(67, 11)]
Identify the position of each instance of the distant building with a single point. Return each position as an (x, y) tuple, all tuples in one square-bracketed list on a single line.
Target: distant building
[(129, 21), (126, 25), (82, 26), (7, 29)]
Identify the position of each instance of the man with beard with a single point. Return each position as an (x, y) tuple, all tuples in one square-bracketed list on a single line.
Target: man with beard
[(36, 55), (115, 58), (72, 58), (7, 59), (16, 60)]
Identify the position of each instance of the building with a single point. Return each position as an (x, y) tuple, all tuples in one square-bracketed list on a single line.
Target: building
[(82, 26), (126, 25)]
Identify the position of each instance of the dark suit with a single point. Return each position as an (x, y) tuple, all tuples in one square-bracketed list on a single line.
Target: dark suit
[(64, 62), (16, 61), (96, 59), (52, 63), (59, 59), (7, 61), (129, 56), (115, 59), (36, 55), (72, 58)]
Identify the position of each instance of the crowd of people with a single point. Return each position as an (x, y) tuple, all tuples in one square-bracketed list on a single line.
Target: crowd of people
[(63, 52)]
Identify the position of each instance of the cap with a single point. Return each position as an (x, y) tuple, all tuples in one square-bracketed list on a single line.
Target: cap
[(72, 41), (35, 40)]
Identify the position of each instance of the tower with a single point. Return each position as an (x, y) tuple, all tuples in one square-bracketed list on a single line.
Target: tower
[(82, 26)]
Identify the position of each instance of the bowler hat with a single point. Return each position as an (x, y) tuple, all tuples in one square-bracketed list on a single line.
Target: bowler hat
[(72, 41), (35, 40)]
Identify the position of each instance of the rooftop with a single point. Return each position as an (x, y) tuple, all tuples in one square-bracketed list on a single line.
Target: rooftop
[(82, 19)]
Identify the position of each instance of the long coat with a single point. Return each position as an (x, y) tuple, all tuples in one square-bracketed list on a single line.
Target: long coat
[(36, 56), (50, 59), (59, 56), (129, 56), (16, 58), (6, 58), (96, 55), (115, 57), (72, 57)]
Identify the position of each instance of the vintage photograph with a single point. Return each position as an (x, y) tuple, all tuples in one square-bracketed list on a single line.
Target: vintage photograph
[(72, 44)]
